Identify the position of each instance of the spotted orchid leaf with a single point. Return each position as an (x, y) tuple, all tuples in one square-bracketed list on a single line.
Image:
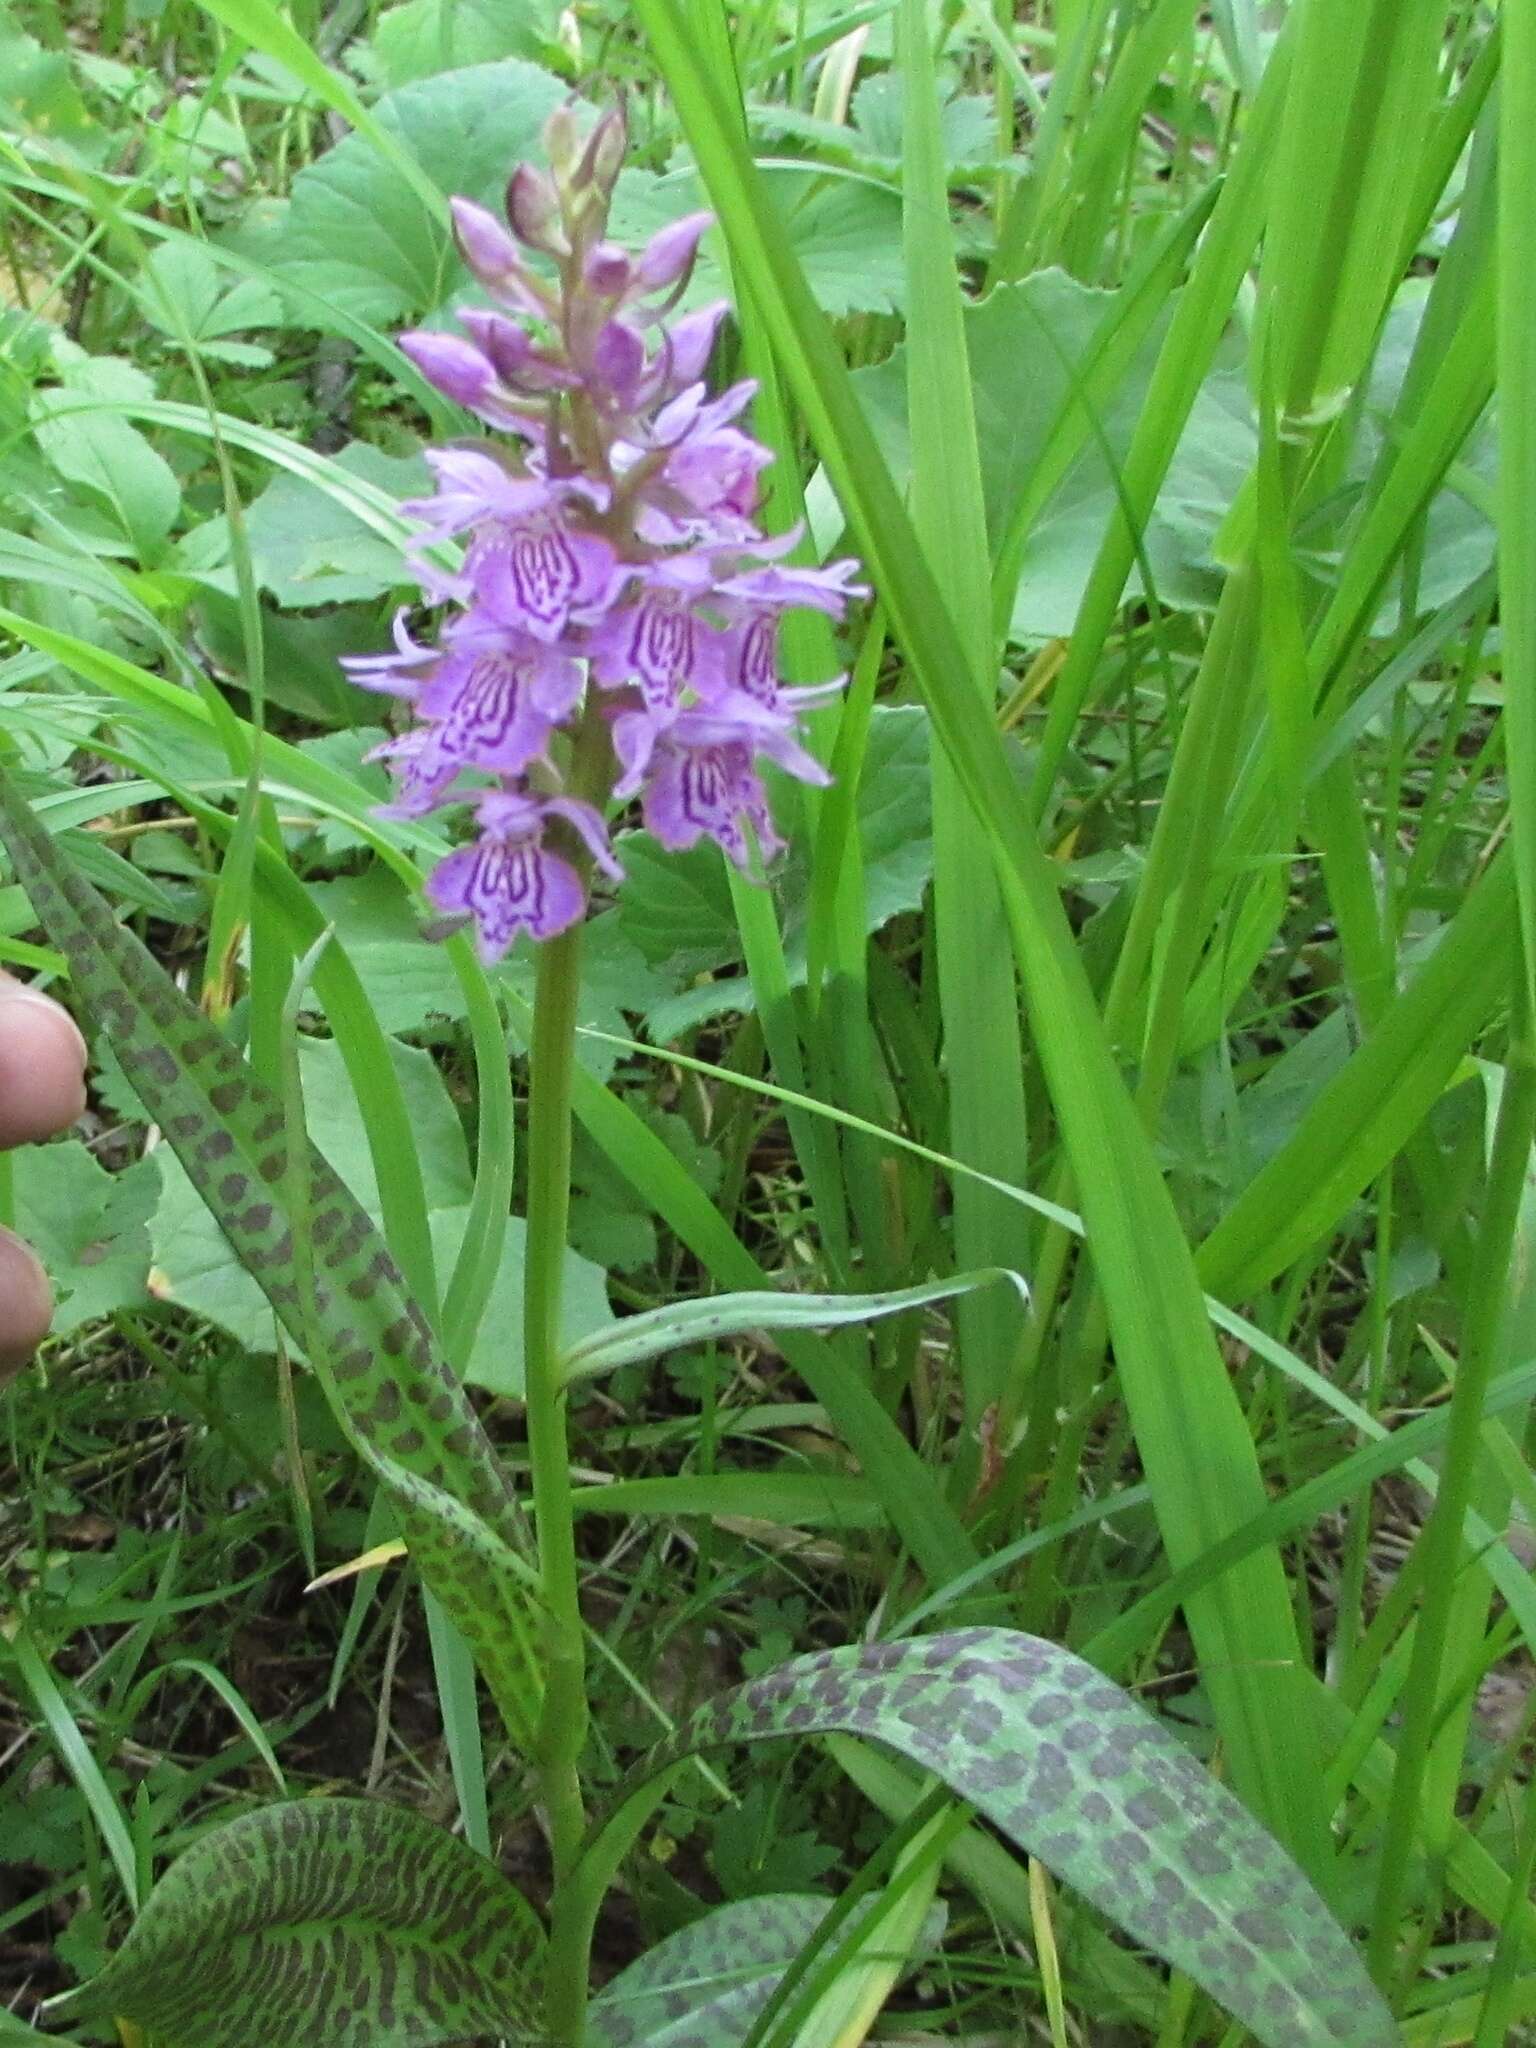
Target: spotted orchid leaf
[(327, 1923), (1074, 1772), (706, 1985), (395, 1394)]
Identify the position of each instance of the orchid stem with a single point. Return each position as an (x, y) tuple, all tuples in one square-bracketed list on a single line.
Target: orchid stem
[(563, 1720)]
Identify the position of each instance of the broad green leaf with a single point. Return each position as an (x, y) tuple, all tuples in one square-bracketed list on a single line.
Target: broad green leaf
[(1074, 1772), (87, 1226), (407, 1414), (703, 1986), (420, 38), (1028, 343), (355, 234), (845, 230), (657, 1331), (112, 465), (332, 1922), (212, 304), (309, 548)]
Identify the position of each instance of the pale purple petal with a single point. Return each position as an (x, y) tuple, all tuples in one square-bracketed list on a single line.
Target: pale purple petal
[(668, 254), (717, 472), (706, 789), (589, 825), (825, 590), (683, 351), (539, 574), (399, 674), (490, 252), (496, 705), (753, 661), (634, 735), (662, 644), (505, 343), (423, 776), (618, 360)]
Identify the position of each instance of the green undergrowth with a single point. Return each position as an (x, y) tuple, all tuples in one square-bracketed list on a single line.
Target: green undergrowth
[(1166, 939)]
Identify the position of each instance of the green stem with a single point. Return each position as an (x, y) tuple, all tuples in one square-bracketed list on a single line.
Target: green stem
[(1440, 1544), (563, 1720)]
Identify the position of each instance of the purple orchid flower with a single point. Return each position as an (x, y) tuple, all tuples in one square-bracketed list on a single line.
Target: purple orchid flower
[(613, 546), (508, 881), (658, 638), (696, 774), (529, 562)]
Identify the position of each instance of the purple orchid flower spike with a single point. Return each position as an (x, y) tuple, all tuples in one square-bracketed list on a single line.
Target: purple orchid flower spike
[(614, 617)]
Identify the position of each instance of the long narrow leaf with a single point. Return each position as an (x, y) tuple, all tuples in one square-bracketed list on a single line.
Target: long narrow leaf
[(405, 1410)]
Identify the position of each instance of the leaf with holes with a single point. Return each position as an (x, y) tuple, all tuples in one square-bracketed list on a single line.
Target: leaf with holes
[(400, 1402), (325, 1921), (1074, 1772)]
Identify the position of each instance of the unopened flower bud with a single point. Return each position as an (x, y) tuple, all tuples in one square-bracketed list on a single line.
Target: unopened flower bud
[(562, 141), (667, 255), (607, 269), (456, 367), (605, 152), (618, 359), (533, 207), (484, 243), (685, 351), (503, 341)]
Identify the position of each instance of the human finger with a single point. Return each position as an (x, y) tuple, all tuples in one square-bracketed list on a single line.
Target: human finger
[(42, 1065), (26, 1304)]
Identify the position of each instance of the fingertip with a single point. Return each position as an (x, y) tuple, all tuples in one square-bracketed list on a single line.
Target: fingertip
[(26, 1304), (42, 1065)]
